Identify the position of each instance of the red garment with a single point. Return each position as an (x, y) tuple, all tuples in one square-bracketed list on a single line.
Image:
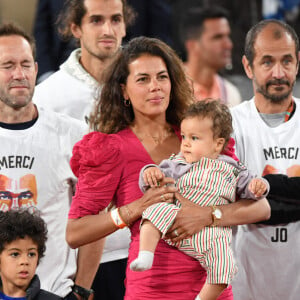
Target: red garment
[(107, 167), (230, 150)]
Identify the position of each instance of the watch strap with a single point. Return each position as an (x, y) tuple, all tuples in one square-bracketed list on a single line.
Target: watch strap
[(82, 292), (214, 218)]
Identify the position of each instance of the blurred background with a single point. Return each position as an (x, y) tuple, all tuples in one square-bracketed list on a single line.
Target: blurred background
[(160, 18), (21, 12)]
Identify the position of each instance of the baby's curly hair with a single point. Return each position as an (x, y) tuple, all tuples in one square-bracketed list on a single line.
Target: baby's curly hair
[(215, 110), (21, 223)]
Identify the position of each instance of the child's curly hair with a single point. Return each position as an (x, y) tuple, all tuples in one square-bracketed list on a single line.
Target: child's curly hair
[(217, 112), (21, 223)]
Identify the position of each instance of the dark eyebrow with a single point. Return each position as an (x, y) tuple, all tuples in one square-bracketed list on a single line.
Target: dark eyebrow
[(95, 16), (101, 16), (10, 62), (13, 249), (142, 74), (17, 249), (271, 57), (117, 15), (266, 57), (146, 74), (220, 36), (288, 56), (27, 61)]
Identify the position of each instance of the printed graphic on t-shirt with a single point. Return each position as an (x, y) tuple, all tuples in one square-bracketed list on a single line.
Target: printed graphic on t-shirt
[(16, 161), (293, 171), (290, 153), (281, 153), (17, 192)]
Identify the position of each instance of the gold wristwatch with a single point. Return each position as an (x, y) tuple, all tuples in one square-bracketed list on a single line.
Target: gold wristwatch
[(216, 215)]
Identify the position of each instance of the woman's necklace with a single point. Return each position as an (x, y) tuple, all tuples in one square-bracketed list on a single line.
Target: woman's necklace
[(158, 139)]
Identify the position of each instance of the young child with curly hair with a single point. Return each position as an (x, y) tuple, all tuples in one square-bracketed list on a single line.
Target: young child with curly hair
[(206, 178), (23, 235)]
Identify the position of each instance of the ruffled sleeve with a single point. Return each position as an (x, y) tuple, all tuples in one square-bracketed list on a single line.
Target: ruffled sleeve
[(97, 163), (229, 150)]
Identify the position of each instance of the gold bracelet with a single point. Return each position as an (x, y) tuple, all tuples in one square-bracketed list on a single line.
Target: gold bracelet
[(128, 215)]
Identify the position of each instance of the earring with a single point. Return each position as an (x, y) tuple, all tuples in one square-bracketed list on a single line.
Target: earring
[(127, 102)]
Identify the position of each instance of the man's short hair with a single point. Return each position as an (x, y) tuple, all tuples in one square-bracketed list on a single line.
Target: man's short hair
[(74, 10), (21, 223), (258, 28), (191, 26), (9, 29)]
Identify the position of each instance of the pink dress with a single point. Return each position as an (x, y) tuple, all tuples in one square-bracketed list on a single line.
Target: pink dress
[(107, 167)]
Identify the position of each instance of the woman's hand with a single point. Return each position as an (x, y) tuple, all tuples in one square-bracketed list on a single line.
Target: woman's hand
[(163, 193), (82, 231), (190, 219)]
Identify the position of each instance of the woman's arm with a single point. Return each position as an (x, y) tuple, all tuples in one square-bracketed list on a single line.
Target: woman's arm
[(191, 218), (91, 228)]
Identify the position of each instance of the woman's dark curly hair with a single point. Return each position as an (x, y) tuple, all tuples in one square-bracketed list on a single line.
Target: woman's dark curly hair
[(21, 223), (110, 114)]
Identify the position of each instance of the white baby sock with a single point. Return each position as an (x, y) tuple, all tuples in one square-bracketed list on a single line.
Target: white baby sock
[(143, 262), (197, 297)]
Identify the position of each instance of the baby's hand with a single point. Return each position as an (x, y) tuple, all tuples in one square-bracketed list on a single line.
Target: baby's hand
[(152, 176), (258, 187)]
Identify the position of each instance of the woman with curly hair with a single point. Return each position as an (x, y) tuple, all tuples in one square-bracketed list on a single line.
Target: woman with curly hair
[(136, 122)]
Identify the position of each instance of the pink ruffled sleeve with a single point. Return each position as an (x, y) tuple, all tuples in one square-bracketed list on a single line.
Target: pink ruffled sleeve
[(97, 163)]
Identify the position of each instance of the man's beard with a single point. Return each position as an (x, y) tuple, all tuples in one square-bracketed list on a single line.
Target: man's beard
[(16, 101), (275, 98)]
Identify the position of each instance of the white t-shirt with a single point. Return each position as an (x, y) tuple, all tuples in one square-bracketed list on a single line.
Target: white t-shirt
[(267, 256), (35, 170)]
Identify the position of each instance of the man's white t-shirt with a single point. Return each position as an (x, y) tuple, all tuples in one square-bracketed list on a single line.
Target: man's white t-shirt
[(267, 256), (35, 171)]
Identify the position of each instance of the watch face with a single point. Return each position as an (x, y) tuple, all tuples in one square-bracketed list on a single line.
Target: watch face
[(217, 213)]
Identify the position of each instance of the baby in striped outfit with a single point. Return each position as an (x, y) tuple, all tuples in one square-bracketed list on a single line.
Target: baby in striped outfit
[(207, 178)]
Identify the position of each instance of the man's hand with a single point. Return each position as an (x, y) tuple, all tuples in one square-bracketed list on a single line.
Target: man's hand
[(190, 219)]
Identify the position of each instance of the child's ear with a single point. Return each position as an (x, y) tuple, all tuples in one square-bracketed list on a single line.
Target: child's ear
[(220, 142)]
